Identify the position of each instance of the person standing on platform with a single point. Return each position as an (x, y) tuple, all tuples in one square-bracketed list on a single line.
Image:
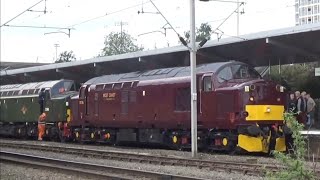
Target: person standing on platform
[(304, 98), (301, 107), (291, 106), (310, 110), (41, 126), (41, 100)]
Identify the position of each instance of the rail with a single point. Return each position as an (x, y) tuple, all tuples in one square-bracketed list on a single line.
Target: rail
[(255, 169), (87, 169)]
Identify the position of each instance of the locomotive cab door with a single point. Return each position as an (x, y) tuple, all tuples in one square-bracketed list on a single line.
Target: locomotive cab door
[(48, 106), (207, 99), (83, 102)]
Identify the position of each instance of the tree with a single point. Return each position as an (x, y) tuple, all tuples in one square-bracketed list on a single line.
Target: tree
[(66, 57), (298, 77), (119, 43), (294, 162), (203, 32)]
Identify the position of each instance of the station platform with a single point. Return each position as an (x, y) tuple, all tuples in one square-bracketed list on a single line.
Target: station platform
[(311, 132), (313, 143)]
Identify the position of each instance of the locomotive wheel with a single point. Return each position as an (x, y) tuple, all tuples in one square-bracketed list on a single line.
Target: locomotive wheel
[(62, 138), (22, 132), (80, 140), (175, 143), (54, 134)]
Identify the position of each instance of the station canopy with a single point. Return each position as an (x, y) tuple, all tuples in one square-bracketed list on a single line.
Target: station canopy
[(297, 44)]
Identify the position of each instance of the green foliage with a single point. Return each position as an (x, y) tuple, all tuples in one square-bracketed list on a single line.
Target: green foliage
[(298, 77), (119, 43), (294, 162), (203, 32), (66, 57)]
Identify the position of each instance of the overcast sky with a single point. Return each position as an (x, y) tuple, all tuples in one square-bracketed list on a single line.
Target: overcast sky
[(86, 41)]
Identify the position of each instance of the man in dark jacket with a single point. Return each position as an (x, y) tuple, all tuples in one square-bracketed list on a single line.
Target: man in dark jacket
[(291, 106), (41, 100), (301, 107)]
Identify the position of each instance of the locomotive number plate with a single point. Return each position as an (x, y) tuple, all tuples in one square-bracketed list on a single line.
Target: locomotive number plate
[(109, 96)]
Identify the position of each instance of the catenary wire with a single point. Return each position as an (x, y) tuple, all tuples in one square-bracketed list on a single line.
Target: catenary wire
[(114, 12), (21, 13)]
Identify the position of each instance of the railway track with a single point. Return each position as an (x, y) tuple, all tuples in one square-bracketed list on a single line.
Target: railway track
[(237, 167), (86, 169)]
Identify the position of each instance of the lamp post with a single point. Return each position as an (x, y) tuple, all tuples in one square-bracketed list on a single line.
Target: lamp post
[(193, 50), (193, 77)]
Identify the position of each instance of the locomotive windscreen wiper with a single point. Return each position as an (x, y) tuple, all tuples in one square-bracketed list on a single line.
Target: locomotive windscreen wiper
[(224, 79)]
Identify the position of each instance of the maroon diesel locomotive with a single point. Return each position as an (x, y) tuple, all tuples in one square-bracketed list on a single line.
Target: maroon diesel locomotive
[(236, 108)]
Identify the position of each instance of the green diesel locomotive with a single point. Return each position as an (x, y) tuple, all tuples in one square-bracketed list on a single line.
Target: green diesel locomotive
[(20, 108)]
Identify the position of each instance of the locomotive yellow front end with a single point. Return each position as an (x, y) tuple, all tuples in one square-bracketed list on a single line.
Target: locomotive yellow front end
[(263, 108)]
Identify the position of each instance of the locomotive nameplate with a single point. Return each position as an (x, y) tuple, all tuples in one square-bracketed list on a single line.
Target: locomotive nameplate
[(109, 96)]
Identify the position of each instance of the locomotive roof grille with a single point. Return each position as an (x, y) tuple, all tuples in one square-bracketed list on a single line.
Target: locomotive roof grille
[(28, 88), (158, 73)]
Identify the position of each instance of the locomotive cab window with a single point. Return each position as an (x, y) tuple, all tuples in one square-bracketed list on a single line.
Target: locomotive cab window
[(225, 74), (207, 84), (47, 94), (244, 72), (62, 87), (237, 71), (82, 94)]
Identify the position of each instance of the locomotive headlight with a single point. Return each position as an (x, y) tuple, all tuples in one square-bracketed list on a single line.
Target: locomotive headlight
[(281, 89), (251, 98), (268, 109), (67, 103), (246, 89), (278, 99)]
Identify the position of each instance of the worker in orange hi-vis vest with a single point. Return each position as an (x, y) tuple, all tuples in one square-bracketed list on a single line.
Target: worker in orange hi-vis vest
[(41, 126)]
